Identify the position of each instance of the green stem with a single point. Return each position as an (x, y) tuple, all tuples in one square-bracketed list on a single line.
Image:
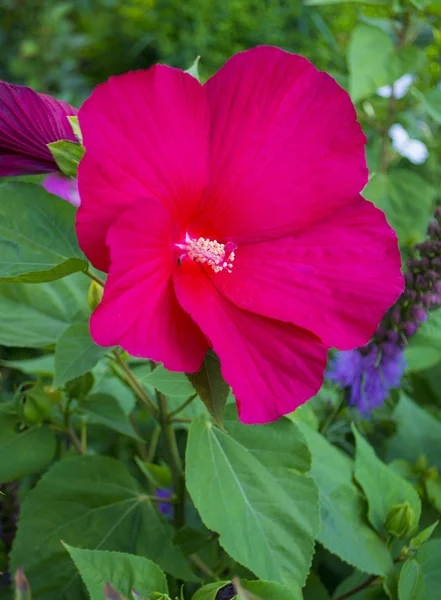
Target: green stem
[(367, 583), (181, 408), (136, 386), (174, 460), (94, 277)]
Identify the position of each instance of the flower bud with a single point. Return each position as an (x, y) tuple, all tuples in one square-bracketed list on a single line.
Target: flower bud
[(36, 403), (401, 520), (94, 295), (418, 314), (409, 329)]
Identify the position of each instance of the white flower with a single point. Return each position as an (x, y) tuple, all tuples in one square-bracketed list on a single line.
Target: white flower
[(414, 150), (400, 87)]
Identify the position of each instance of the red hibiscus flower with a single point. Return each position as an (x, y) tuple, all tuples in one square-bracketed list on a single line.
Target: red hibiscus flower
[(228, 216)]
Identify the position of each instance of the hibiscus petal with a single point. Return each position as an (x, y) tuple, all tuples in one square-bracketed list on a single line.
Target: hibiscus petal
[(145, 134), (272, 367), (65, 187), (337, 279), (139, 310), (286, 150), (28, 122)]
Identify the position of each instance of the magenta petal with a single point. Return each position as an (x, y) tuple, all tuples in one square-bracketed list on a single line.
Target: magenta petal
[(286, 148), (272, 367), (336, 279), (65, 187), (28, 122), (139, 310), (146, 134)]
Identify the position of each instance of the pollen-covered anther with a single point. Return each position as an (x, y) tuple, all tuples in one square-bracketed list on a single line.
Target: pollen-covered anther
[(218, 256)]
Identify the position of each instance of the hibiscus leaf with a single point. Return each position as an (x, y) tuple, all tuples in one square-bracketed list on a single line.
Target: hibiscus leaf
[(37, 235), (420, 577), (123, 571), (89, 501), (249, 485), (344, 531), (38, 314), (75, 353), (382, 486), (211, 386), (67, 155), (23, 452)]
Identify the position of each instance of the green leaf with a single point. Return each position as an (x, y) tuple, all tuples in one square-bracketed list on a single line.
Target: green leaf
[(194, 69), (37, 235), (383, 487), (407, 200), (314, 589), (248, 487), (67, 155), (424, 349), (124, 572), (42, 365), (76, 353), (420, 577), (76, 128), (370, 53), (168, 382), (211, 387), (423, 536), (23, 452), (103, 409), (209, 591), (90, 501), (261, 590), (418, 434), (344, 531), (38, 314), (353, 581)]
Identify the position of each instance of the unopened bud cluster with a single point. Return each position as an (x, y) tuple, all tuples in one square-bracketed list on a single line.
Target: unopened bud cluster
[(422, 291)]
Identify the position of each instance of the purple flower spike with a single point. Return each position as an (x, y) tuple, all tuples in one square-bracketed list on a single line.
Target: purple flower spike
[(28, 122), (370, 376), (164, 507)]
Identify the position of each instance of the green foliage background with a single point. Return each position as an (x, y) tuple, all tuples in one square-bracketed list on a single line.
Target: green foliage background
[(321, 497)]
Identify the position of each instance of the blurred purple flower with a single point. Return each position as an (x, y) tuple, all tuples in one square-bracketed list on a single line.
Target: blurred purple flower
[(164, 507), (63, 186), (369, 375), (227, 592), (28, 122)]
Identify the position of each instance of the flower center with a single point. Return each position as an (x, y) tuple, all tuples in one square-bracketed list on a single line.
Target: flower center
[(218, 256)]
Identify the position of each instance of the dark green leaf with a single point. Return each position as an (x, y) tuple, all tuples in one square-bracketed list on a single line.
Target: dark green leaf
[(67, 155), (248, 487), (23, 452), (383, 487), (76, 353), (103, 409), (90, 501), (37, 235), (211, 387), (344, 531), (124, 572)]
